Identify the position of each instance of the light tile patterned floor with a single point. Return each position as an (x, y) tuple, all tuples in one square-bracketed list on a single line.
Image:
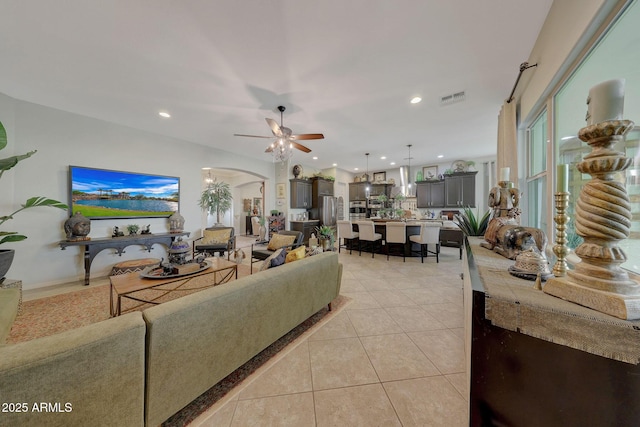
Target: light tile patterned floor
[(394, 357)]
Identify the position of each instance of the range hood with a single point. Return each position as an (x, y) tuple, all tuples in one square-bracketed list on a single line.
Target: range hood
[(406, 186)]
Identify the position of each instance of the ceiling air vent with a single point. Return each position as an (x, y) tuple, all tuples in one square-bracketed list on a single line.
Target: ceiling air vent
[(454, 97)]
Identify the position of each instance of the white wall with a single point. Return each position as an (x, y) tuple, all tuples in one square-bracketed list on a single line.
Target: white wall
[(64, 139), (563, 30)]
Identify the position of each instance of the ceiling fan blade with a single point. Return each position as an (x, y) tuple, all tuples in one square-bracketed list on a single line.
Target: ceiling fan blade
[(300, 147), (275, 127), (252, 136), (269, 149), (305, 136)]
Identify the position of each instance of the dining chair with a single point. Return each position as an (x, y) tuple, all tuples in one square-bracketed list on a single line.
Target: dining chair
[(367, 233), (429, 235), (396, 234), (346, 233)]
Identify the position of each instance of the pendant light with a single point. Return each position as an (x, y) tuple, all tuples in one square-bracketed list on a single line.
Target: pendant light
[(367, 189), (409, 172)]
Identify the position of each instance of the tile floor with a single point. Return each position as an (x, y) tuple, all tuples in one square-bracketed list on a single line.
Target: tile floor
[(393, 357)]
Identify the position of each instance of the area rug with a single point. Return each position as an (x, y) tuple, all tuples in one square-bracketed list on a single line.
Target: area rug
[(51, 315), (245, 374)]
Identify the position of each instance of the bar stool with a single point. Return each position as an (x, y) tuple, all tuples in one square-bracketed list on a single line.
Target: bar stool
[(396, 234), (429, 235), (346, 233), (367, 233)]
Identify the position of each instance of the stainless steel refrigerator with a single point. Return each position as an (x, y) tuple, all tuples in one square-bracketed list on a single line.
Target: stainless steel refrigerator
[(327, 210)]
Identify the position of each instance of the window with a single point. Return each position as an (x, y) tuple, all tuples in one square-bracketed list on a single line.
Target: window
[(537, 143), (612, 57)]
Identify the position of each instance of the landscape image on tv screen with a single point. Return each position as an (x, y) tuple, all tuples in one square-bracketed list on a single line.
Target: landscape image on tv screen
[(103, 194)]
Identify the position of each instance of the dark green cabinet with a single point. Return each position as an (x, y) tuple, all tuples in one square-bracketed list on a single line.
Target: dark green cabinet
[(300, 194), (430, 194), (460, 190)]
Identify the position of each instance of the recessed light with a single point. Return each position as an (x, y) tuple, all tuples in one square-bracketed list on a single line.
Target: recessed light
[(415, 99), (164, 114), (440, 156), (335, 164), (355, 169), (315, 157), (392, 163), (383, 158), (206, 169)]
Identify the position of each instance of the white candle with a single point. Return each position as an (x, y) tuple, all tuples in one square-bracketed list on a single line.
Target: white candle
[(504, 174), (605, 101), (562, 178)]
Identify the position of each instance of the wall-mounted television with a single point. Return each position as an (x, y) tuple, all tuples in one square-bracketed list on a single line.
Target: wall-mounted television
[(105, 194)]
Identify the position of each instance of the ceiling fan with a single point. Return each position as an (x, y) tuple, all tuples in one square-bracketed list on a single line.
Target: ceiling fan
[(284, 135)]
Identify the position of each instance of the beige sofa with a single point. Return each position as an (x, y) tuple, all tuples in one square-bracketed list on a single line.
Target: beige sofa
[(141, 368), (9, 303)]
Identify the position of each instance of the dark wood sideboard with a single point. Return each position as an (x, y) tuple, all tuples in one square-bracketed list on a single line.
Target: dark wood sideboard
[(94, 246), (520, 380)]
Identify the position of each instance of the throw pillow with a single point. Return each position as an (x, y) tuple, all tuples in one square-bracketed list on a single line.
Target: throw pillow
[(216, 237), (279, 260), (267, 262), (279, 240), (296, 254)]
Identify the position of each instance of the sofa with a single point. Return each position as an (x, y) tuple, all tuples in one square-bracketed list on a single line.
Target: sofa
[(9, 303), (141, 368)]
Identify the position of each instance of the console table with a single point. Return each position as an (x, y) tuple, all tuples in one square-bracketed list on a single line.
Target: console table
[(95, 246)]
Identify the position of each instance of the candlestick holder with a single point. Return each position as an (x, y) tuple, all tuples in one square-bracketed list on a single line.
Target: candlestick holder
[(603, 220), (560, 248)]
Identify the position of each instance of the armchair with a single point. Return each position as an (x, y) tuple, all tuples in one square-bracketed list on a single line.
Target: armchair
[(215, 239)]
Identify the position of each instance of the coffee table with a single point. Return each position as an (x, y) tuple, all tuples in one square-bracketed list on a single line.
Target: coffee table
[(130, 285)]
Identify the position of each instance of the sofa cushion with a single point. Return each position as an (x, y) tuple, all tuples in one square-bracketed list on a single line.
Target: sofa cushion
[(267, 262), (296, 254), (98, 369), (279, 240), (280, 259), (215, 237)]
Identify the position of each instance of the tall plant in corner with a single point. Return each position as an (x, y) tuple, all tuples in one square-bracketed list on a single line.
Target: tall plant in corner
[(6, 255), (216, 198)]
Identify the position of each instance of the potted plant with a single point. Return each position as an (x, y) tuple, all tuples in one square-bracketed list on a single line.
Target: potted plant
[(6, 255), (470, 224), (133, 229), (216, 198), (326, 235)]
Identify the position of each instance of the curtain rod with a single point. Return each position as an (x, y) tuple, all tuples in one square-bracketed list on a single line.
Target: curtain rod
[(523, 66)]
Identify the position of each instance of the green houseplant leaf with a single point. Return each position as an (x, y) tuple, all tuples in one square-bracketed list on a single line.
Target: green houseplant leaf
[(469, 223), (6, 164)]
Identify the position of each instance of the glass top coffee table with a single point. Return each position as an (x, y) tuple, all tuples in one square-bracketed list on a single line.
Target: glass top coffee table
[(155, 291)]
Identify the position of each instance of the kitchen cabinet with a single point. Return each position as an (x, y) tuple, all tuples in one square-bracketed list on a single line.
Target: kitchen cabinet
[(300, 194), (379, 189), (430, 194), (306, 227), (358, 190), (321, 187), (460, 189)]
